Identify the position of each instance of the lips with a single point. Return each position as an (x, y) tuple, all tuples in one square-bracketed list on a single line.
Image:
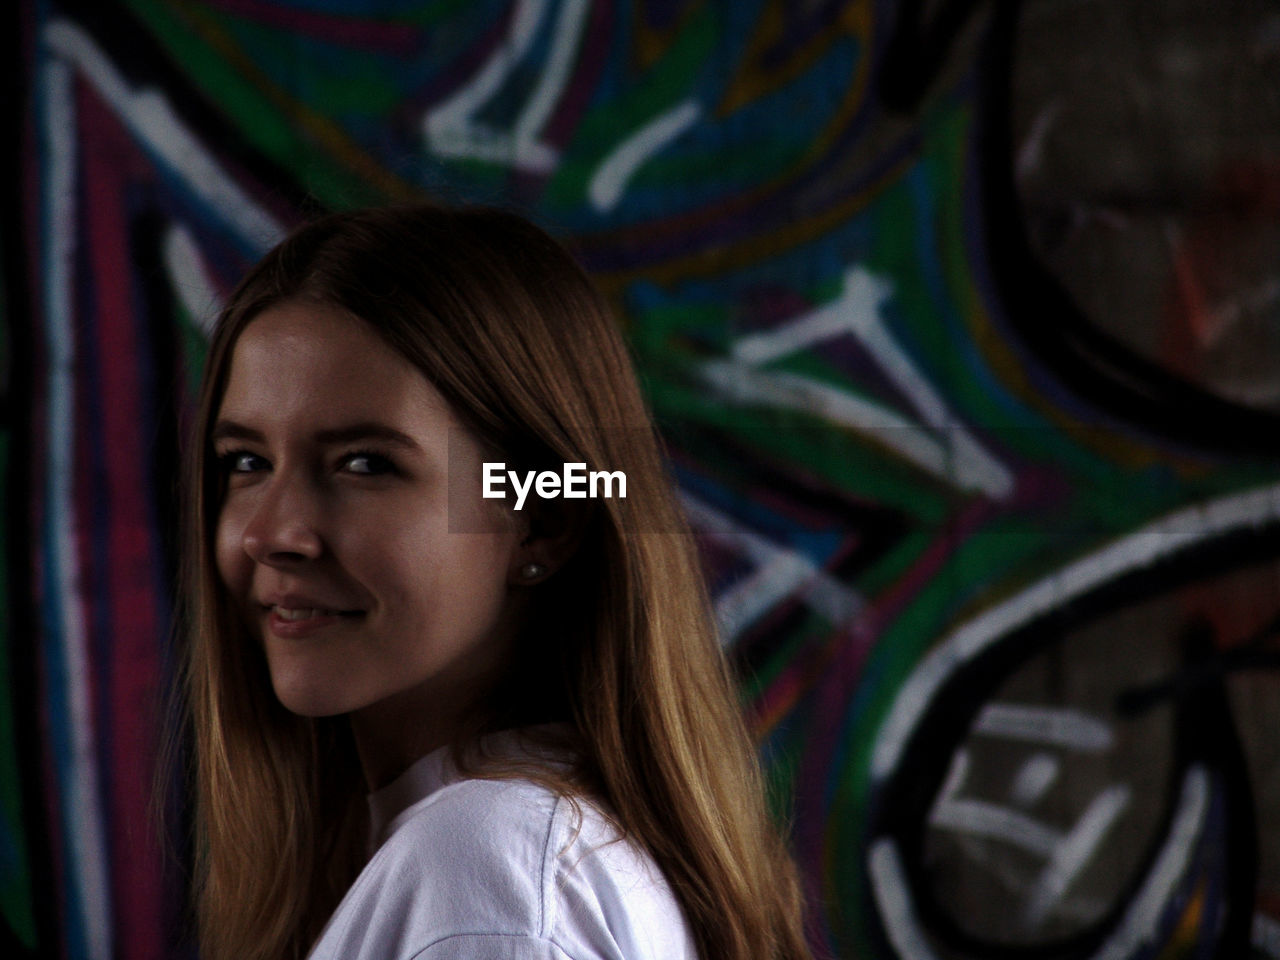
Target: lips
[(297, 614), (294, 615), (296, 605)]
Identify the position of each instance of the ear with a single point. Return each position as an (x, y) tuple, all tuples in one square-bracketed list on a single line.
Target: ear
[(554, 530)]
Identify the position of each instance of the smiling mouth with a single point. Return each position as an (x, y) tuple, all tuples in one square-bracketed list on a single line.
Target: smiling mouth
[(297, 614)]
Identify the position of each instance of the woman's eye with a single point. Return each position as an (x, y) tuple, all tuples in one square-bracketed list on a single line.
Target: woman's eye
[(241, 461), (367, 464)]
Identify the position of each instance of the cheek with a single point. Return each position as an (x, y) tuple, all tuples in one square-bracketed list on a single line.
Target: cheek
[(228, 548), (460, 576), (481, 563)]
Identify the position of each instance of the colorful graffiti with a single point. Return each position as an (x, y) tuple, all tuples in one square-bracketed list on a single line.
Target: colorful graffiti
[(1000, 576)]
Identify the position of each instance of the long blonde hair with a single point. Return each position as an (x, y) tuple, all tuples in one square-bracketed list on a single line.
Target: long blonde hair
[(505, 325)]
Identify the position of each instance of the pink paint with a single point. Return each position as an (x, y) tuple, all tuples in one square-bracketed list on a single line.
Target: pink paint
[(365, 34), (129, 680)]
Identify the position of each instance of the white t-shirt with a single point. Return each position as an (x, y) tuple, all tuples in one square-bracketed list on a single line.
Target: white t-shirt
[(499, 870)]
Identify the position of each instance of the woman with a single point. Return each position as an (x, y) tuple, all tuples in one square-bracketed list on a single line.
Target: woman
[(535, 697)]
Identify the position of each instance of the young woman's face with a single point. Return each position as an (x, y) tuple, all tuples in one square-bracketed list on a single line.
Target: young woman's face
[(338, 539)]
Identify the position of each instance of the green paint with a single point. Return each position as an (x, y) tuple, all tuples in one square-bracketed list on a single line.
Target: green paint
[(354, 82), (843, 461), (729, 168), (277, 134), (194, 346), (661, 335), (663, 341), (609, 123), (897, 561)]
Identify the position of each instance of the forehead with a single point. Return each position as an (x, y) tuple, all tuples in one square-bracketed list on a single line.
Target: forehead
[(300, 360)]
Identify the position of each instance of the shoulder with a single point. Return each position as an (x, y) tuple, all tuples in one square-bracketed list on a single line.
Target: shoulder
[(466, 860), (608, 898), (501, 868)]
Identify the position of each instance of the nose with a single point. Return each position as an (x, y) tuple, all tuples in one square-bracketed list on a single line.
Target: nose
[(282, 528)]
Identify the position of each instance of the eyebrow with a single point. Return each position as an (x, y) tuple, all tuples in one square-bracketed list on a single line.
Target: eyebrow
[(365, 430)]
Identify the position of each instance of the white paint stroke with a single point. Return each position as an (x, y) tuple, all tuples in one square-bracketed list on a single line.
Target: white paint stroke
[(790, 391), (892, 895), (1139, 924), (1155, 541), (451, 128), (448, 126), (780, 573), (863, 294), (189, 280), (1260, 298), (982, 818), (1073, 855), (957, 775), (972, 465), (149, 117), (1030, 155), (610, 180), (859, 311), (568, 33), (1265, 935), (82, 804), (1063, 727), (1033, 779), (755, 594), (1079, 908)]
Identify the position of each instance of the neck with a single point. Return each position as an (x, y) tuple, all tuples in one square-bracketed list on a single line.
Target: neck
[(390, 735)]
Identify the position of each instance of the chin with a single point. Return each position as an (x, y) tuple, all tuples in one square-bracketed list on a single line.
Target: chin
[(311, 701)]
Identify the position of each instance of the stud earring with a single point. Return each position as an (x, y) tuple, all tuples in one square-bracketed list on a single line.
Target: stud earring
[(532, 571)]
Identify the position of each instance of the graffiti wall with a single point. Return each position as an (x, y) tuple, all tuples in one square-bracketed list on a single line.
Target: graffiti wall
[(962, 323)]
